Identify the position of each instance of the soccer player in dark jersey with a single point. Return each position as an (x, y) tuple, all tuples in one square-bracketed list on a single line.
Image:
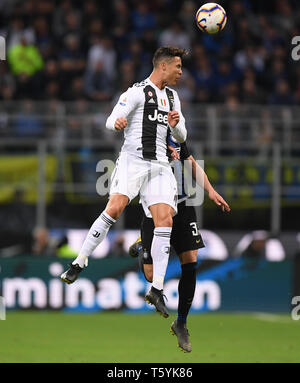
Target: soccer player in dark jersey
[(185, 239)]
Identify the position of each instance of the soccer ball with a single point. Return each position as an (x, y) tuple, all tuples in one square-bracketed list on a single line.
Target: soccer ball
[(211, 18)]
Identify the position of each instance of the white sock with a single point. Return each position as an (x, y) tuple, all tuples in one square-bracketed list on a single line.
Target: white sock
[(160, 250), (95, 236)]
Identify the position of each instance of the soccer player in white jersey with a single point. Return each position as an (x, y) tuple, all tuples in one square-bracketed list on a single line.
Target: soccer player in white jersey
[(148, 113)]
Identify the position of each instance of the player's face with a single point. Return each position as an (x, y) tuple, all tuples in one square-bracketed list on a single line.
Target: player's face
[(173, 71)]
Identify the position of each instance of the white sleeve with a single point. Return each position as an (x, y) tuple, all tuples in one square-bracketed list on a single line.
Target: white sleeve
[(126, 104), (179, 131)]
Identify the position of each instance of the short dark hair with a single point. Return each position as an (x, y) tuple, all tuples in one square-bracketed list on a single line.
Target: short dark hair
[(167, 53)]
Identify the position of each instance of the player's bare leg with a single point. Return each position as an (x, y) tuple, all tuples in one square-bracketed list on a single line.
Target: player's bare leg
[(116, 204)]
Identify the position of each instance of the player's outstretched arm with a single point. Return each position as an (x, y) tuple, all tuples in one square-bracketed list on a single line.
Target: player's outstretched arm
[(201, 178)]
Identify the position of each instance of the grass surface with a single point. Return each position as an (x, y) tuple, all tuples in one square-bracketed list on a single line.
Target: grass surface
[(126, 338)]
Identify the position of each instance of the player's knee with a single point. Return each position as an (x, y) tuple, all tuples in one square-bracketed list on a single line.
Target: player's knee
[(187, 257), (167, 222), (114, 210), (116, 205), (164, 221)]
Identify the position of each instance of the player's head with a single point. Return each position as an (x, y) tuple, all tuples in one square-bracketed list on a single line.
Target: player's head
[(168, 61)]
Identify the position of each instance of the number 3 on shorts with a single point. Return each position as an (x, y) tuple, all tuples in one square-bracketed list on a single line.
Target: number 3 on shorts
[(195, 230)]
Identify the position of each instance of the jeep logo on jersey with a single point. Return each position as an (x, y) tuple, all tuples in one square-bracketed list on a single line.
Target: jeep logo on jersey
[(161, 117)]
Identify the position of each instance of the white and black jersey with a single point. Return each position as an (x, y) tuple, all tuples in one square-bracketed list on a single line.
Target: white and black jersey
[(146, 108)]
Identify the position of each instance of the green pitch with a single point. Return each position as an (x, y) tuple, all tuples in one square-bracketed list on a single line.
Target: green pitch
[(126, 338)]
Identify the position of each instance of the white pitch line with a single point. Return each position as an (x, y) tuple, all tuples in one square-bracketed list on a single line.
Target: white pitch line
[(273, 318)]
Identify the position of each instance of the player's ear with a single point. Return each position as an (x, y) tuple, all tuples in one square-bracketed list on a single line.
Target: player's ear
[(164, 66)]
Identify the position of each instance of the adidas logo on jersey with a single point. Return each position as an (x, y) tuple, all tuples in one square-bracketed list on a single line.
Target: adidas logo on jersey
[(160, 117)]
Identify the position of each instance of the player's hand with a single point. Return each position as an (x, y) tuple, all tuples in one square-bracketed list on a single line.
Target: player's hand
[(120, 123), (218, 200), (173, 118), (174, 154)]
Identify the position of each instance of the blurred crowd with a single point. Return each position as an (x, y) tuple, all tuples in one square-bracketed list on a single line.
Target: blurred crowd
[(93, 50)]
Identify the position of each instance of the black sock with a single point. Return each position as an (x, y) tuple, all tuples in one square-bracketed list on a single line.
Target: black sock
[(186, 290)]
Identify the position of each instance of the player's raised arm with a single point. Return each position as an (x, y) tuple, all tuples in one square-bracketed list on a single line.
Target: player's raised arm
[(177, 121), (201, 178), (118, 117)]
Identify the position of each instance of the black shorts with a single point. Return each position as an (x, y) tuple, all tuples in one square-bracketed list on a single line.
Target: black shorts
[(185, 233)]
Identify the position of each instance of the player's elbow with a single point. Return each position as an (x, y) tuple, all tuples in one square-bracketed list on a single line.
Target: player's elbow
[(107, 124), (110, 123), (181, 137), (184, 136)]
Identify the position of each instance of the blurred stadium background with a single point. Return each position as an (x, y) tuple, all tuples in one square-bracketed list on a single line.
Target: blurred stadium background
[(66, 64)]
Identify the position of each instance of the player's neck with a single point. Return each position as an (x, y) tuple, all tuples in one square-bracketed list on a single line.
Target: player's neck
[(157, 80)]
